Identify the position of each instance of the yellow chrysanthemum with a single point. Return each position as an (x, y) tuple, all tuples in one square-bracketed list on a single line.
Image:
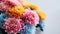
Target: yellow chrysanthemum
[(16, 11)]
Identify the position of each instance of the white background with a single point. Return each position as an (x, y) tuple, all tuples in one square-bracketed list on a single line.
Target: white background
[(52, 10)]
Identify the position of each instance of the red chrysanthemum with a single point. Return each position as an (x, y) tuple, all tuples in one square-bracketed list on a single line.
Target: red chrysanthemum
[(31, 17), (13, 25)]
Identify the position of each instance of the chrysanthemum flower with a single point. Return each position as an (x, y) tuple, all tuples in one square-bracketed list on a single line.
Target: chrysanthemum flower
[(31, 17), (28, 29), (5, 4), (13, 25), (15, 11)]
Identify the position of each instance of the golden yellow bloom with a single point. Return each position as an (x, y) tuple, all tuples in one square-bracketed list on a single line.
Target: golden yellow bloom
[(16, 11)]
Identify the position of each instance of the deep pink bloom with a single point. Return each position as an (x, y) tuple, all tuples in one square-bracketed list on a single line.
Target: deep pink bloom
[(13, 25), (31, 17)]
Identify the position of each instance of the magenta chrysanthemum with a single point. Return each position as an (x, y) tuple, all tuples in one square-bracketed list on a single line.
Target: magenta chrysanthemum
[(13, 25), (31, 17)]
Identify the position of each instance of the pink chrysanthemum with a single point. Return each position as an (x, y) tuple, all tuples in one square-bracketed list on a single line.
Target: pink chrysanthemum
[(31, 17), (5, 4), (13, 25)]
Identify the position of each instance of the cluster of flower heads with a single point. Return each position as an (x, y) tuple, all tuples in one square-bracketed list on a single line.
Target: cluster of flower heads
[(14, 25), (14, 19)]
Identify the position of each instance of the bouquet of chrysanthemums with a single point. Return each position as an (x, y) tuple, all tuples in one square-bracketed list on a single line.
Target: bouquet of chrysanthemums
[(20, 17)]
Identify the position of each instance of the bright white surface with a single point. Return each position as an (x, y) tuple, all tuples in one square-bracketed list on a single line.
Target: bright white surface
[(52, 10)]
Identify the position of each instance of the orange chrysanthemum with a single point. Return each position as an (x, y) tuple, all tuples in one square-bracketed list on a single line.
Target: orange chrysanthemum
[(16, 11)]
